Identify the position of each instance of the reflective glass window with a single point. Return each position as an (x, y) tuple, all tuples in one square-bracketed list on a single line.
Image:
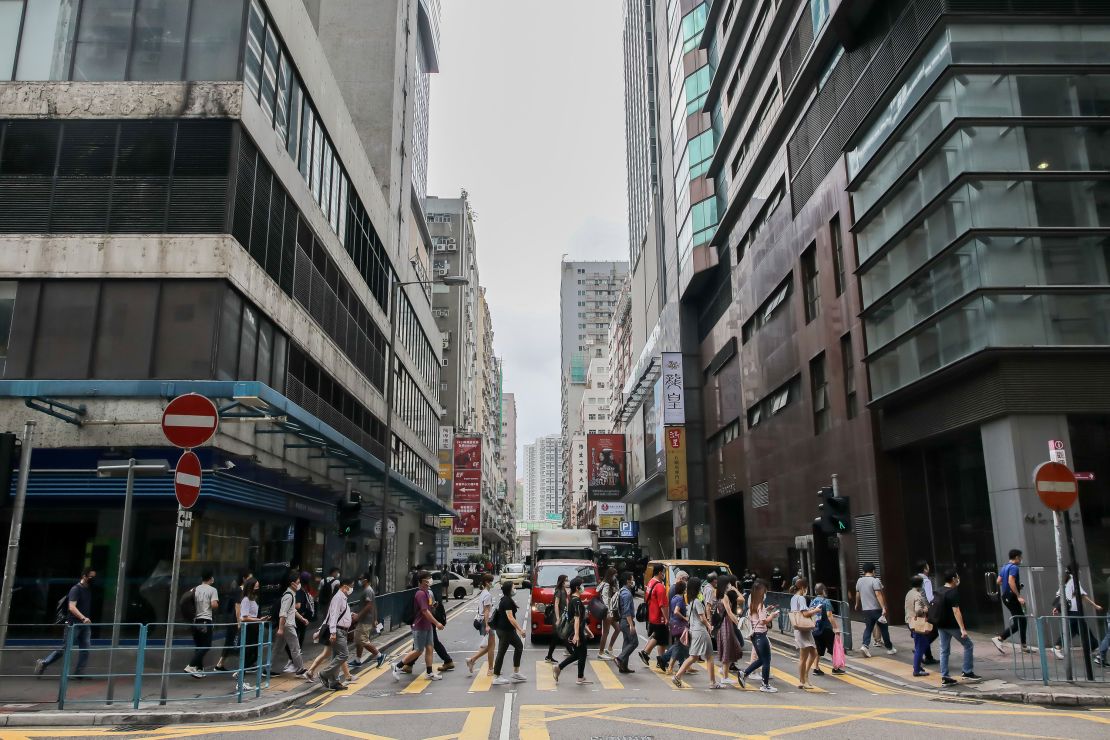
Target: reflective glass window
[(125, 329), (215, 38), (11, 11), (186, 328), (48, 27), (269, 73), (248, 343), (256, 39), (159, 40), (103, 39)]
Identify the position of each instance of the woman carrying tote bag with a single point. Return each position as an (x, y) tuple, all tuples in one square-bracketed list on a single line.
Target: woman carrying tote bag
[(801, 617)]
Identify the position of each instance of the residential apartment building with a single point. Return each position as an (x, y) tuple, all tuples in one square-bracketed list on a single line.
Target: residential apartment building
[(543, 475), (498, 527), (587, 298), (187, 205), (916, 243), (593, 418), (509, 467)]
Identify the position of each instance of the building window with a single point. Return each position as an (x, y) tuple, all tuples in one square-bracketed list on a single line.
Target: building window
[(819, 387), (837, 241), (774, 402), (847, 357), (811, 292), (766, 312)]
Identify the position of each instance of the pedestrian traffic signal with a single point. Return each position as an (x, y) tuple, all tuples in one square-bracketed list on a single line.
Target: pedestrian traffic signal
[(836, 512), (9, 462), (349, 514)]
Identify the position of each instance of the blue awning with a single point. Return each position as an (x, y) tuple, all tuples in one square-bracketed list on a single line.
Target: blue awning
[(249, 398)]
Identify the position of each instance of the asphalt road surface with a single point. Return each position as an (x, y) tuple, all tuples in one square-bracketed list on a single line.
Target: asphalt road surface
[(641, 705)]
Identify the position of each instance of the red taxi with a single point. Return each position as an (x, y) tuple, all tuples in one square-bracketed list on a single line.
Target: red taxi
[(545, 575)]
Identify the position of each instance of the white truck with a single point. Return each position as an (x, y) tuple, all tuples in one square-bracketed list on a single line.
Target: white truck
[(564, 544)]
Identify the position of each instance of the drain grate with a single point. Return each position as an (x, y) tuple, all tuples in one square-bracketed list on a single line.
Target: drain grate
[(135, 728), (957, 700)]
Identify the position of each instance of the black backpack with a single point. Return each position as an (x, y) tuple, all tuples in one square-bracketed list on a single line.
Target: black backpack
[(936, 609), (61, 610), (188, 604), (408, 613)]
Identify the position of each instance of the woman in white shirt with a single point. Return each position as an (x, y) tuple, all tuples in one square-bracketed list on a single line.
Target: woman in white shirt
[(803, 638), (1074, 621), (487, 646)]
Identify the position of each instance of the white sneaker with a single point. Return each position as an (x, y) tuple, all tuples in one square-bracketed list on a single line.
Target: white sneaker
[(865, 651), (289, 669), (433, 676), (501, 681), (518, 678), (194, 671), (998, 645), (768, 689), (892, 651), (1058, 653)]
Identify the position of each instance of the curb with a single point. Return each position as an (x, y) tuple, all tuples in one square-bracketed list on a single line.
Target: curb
[(1044, 697), (263, 708)]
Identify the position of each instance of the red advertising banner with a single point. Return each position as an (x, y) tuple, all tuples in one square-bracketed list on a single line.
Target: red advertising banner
[(467, 490), (606, 467)]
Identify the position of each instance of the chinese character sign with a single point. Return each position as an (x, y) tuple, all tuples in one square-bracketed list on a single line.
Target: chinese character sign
[(467, 498), (606, 466), (674, 394), (677, 488)]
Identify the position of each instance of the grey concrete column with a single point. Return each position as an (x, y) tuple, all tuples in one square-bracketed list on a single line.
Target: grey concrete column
[(1013, 446)]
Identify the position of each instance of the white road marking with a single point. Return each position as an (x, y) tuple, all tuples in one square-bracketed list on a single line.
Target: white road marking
[(507, 717)]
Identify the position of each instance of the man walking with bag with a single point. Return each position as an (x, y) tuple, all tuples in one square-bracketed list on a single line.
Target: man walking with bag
[(1009, 585), (206, 599), (73, 611), (949, 620), (870, 599), (626, 611), (288, 616), (339, 621), (655, 597)]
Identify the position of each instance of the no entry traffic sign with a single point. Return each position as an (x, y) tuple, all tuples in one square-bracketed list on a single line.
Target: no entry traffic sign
[(186, 479), (190, 420), (1056, 486)]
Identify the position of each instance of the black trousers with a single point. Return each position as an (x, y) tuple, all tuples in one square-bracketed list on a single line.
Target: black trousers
[(505, 638), (438, 646), (1017, 617), (202, 639), (578, 652)]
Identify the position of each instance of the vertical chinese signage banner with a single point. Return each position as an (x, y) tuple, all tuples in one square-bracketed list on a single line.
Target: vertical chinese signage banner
[(677, 488), (466, 533), (605, 467), (446, 445), (674, 394)]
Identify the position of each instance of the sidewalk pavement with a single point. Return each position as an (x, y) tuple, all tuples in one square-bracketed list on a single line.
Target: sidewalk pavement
[(32, 701), (1001, 678)]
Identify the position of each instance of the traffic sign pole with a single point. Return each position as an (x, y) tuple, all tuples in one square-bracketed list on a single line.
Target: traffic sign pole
[(1084, 643), (1065, 633), (171, 613), (14, 535)]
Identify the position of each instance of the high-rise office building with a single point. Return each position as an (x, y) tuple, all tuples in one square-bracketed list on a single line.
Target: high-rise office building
[(587, 297), (509, 451), (197, 212), (543, 462)]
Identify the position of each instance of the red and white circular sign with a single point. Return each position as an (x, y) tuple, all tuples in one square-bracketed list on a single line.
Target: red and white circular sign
[(1056, 486), (190, 420), (186, 479)]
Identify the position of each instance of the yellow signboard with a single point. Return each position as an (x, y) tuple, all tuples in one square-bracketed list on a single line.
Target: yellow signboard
[(609, 521), (446, 469), (675, 452), (445, 522)]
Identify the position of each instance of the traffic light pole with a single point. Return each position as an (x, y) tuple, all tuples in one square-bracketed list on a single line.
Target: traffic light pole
[(16, 532), (840, 557)]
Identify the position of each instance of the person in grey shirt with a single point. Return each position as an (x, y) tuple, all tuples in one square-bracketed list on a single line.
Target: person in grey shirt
[(205, 599), (870, 599), (288, 616)]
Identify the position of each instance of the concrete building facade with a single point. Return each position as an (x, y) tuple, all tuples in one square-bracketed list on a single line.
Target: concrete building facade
[(543, 461), (212, 224)]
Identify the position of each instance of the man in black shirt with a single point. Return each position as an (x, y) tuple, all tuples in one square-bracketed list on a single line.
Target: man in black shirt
[(78, 605), (950, 624)]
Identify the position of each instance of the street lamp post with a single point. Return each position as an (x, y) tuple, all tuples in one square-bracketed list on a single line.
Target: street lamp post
[(387, 582)]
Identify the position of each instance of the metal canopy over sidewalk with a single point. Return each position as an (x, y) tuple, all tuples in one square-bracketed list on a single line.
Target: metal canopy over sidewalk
[(236, 399)]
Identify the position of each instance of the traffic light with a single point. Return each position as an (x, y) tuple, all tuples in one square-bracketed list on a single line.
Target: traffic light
[(9, 463), (349, 514), (836, 512)]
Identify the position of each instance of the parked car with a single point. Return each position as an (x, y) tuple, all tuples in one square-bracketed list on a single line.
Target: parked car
[(458, 586), (514, 573), (547, 572)]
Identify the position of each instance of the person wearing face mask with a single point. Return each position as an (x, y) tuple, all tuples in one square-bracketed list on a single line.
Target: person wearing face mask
[(288, 616), (206, 600), (339, 620), (249, 631), (77, 605), (946, 615)]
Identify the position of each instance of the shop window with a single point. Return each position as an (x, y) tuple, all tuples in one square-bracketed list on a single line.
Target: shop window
[(64, 331)]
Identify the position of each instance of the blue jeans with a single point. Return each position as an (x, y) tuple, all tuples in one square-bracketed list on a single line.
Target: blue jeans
[(871, 617), (762, 660), (920, 647), (676, 652), (81, 637), (1105, 644), (948, 634)]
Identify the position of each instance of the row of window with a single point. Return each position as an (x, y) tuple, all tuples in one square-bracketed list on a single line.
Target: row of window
[(415, 410), (113, 176), (106, 40), (412, 337), (409, 464)]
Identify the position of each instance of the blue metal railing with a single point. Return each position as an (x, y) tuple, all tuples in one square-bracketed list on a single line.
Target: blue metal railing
[(1088, 639), (93, 672), (839, 608)]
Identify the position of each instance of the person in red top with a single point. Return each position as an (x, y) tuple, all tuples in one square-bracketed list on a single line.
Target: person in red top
[(655, 594)]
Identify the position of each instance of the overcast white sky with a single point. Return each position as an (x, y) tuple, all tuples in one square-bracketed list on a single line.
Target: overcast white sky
[(527, 114)]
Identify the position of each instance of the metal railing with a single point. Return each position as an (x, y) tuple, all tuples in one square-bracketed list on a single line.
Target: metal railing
[(1085, 638), (839, 608), (391, 606), (93, 672)]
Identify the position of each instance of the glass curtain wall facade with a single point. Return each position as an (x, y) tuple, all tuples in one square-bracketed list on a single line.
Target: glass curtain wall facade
[(982, 219)]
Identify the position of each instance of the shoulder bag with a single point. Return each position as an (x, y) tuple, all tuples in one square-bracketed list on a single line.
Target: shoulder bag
[(801, 622), (920, 625)]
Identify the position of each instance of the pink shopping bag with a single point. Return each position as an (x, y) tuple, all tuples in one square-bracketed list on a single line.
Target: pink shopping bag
[(839, 660)]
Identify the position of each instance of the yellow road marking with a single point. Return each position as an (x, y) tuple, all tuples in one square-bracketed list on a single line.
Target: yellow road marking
[(605, 675), (532, 724), (668, 679), (544, 680), (792, 680), (961, 729), (863, 683), (344, 731), (418, 683), (829, 722), (479, 721), (482, 681)]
